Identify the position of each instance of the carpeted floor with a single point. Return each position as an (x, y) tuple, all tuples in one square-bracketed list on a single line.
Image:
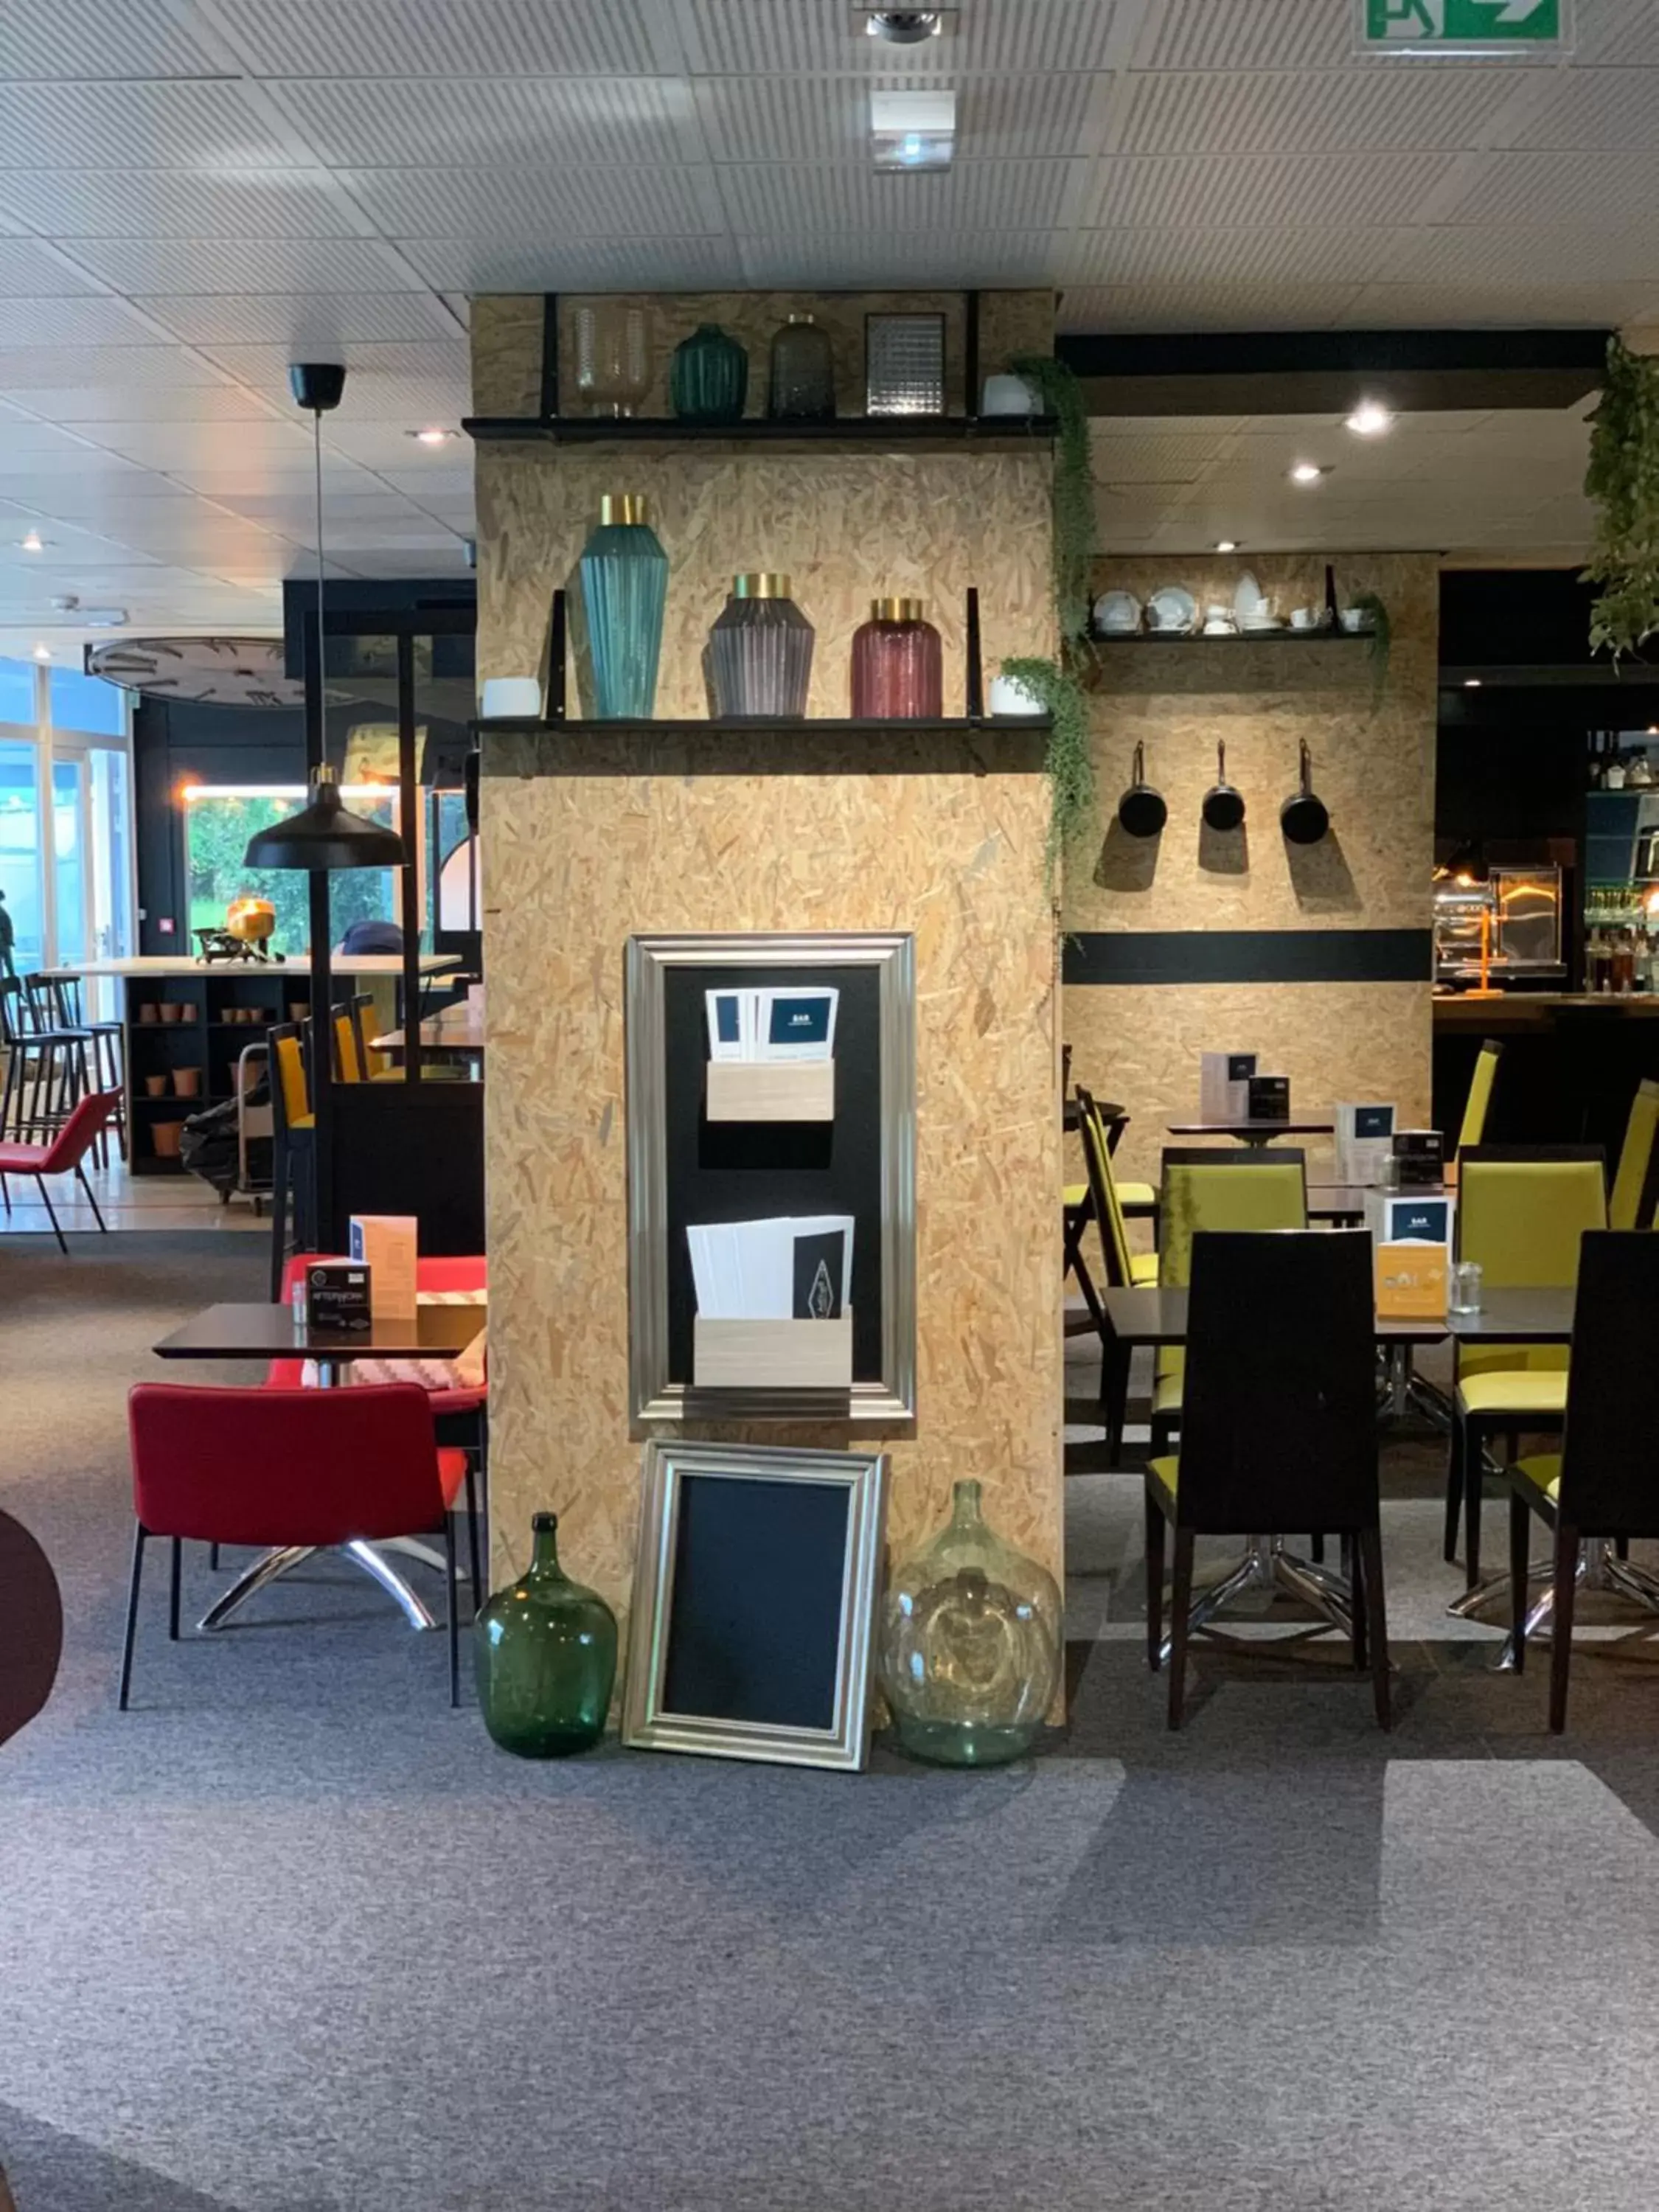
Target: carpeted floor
[(291, 1936)]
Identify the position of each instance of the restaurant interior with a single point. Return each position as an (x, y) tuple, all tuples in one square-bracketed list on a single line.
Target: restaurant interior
[(829, 1104)]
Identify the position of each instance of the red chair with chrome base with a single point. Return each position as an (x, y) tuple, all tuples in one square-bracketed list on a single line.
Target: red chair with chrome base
[(63, 1154), (290, 1468)]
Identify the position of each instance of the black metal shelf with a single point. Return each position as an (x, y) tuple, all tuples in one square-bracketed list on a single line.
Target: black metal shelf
[(1236, 637), (822, 725), (1007, 432)]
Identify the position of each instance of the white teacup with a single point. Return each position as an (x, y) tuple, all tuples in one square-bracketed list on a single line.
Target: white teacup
[(1304, 617), (515, 697), (1007, 395), (1355, 620)]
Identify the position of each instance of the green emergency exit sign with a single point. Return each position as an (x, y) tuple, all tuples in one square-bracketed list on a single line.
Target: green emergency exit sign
[(1453, 23)]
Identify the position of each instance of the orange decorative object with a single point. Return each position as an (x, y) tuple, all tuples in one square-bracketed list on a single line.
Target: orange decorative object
[(250, 920)]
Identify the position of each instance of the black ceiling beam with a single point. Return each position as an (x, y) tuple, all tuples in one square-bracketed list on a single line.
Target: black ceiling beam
[(1324, 372)]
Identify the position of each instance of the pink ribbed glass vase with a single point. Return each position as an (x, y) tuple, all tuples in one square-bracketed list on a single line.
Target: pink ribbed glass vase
[(898, 671)]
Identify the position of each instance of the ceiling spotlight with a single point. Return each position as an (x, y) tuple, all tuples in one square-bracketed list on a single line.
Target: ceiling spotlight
[(913, 130), (1307, 472), (43, 653), (1370, 418), (104, 618), (432, 435), (904, 26), (1226, 545), (1471, 682), (32, 542)]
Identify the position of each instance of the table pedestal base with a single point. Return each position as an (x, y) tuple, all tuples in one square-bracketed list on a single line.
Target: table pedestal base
[(1267, 1565), (1405, 1392)]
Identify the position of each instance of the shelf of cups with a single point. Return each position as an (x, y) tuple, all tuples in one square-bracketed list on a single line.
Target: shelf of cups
[(1285, 637), (996, 433)]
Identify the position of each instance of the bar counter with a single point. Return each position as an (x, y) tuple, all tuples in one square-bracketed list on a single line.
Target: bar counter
[(1571, 1062)]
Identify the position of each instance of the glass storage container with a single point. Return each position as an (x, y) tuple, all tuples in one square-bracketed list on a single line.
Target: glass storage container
[(544, 1657), (898, 671), (708, 377), (803, 384), (971, 1644), (623, 574), (613, 357), (758, 660)]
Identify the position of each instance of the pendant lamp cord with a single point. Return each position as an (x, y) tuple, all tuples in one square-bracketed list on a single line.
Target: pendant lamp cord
[(322, 719)]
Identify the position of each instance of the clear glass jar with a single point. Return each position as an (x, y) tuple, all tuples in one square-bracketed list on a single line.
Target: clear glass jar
[(758, 660), (898, 668), (613, 357), (803, 385), (971, 1644)]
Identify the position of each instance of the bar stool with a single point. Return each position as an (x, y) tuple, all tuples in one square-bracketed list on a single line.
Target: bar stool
[(48, 1068), (108, 1047)]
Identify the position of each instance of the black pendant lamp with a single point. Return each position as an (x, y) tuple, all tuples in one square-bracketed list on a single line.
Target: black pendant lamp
[(324, 836)]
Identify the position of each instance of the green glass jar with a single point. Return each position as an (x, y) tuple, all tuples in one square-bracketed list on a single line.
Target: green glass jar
[(708, 377), (971, 1648), (544, 1657)]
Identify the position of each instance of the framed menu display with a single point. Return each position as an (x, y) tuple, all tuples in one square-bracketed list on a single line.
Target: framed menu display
[(771, 1239)]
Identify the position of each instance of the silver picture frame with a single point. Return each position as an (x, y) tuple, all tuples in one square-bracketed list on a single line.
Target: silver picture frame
[(648, 1723), (654, 1398)]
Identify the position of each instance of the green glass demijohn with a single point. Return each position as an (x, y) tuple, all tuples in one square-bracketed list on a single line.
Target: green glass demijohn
[(970, 1646), (708, 377), (544, 1657)]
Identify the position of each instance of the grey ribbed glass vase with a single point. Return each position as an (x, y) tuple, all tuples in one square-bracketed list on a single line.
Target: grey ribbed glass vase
[(758, 660)]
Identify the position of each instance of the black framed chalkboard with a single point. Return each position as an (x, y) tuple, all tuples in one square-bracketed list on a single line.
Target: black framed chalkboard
[(748, 1171), (755, 1588)]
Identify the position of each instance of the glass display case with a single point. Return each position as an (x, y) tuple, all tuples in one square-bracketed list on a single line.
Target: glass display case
[(1516, 910)]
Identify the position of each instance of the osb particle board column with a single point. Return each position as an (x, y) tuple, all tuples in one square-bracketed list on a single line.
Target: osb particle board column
[(1373, 764), (667, 833)]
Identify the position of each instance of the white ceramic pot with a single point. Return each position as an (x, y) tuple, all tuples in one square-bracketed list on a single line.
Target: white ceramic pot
[(1007, 697), (517, 696), (1007, 395)]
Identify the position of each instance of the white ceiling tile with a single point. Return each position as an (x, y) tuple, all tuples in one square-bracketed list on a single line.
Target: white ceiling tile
[(127, 38), (246, 265), (1197, 34), (75, 204), (530, 203), (25, 366), (113, 402), (1235, 258), (169, 446), (1585, 110), (1211, 306), (463, 122), (208, 126), (764, 118), (1007, 196), (30, 270), (288, 319), (883, 263), (455, 38), (1618, 32), (1334, 111), (383, 383), (555, 264), (1512, 188), (1477, 305), (1260, 191), (21, 433), (1153, 456), (1532, 255), (94, 320), (741, 38)]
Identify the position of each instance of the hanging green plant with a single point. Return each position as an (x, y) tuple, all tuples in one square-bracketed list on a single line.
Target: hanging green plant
[(1381, 640), (1074, 490), (1069, 762), (1623, 479)]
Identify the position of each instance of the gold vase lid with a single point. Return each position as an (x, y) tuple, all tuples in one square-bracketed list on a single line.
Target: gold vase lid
[(761, 584), (622, 507), (898, 609)]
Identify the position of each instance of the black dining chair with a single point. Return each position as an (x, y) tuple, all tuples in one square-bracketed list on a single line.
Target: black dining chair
[(1601, 1486), (1279, 1423)]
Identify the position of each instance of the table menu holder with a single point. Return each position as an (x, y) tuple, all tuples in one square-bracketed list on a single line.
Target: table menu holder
[(1411, 1281), (773, 1355), (771, 1091)]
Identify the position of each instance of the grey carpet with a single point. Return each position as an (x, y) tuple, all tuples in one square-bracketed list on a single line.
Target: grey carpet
[(292, 1936)]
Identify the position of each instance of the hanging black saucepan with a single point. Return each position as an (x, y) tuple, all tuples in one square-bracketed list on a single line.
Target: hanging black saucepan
[(1302, 817), (1142, 811), (1224, 807)]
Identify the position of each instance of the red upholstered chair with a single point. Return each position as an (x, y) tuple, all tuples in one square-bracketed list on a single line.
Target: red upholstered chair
[(277, 1467), (63, 1155)]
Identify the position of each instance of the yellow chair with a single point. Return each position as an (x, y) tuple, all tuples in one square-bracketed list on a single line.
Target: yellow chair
[(1124, 1269), (1626, 1208), (293, 1125), (1521, 1214), (1209, 1190), (1478, 1102)]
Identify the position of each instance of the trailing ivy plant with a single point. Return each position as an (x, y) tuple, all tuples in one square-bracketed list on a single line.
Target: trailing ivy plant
[(1381, 641), (1623, 479), (1057, 683)]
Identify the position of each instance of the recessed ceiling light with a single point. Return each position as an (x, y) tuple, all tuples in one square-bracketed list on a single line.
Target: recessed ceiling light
[(1471, 682), (434, 434), (1226, 545), (905, 26), (32, 542), (913, 130), (43, 653), (104, 617), (1370, 418), (1307, 472)]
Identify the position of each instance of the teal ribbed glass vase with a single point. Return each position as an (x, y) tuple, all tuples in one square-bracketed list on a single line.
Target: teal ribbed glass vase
[(708, 377), (544, 1658), (624, 590)]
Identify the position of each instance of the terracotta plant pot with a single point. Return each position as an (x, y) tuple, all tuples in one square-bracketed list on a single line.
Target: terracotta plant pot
[(165, 1138), (148, 1011), (155, 1086), (297, 1010), (187, 1082), (170, 1009), (187, 1012)]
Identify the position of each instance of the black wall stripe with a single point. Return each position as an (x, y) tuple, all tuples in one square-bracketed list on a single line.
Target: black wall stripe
[(1250, 955)]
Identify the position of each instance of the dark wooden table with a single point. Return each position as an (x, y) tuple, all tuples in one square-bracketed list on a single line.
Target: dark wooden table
[(271, 1332), (1159, 1316), (1250, 1132), (1338, 1203)]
